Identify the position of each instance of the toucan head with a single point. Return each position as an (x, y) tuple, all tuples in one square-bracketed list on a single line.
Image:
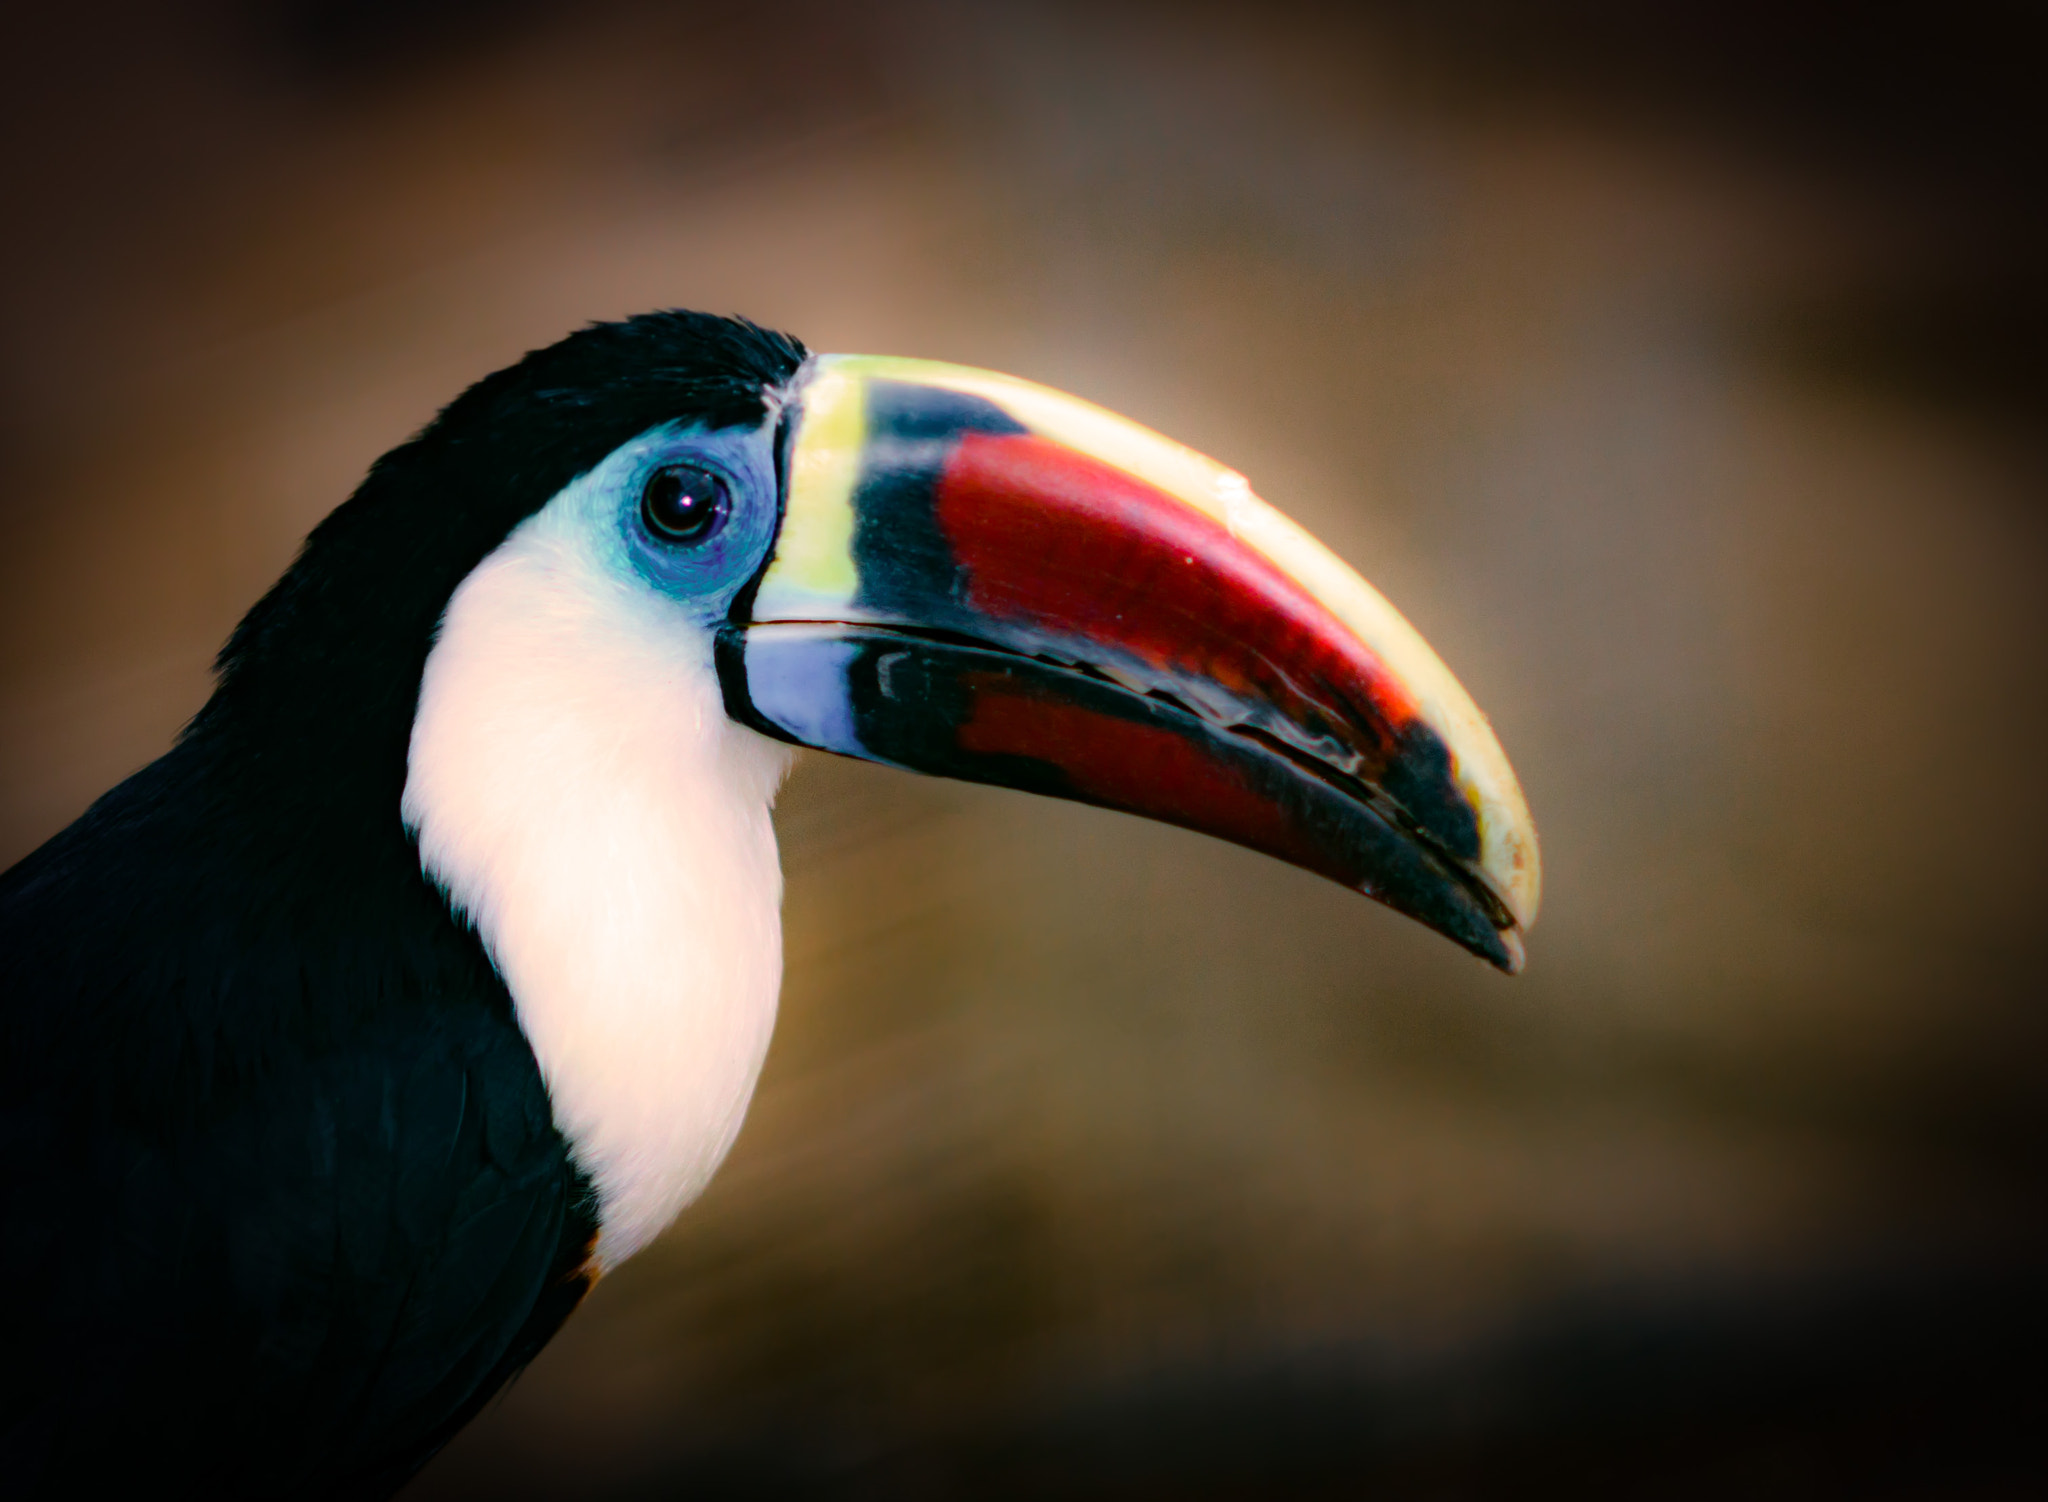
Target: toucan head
[(975, 576), (941, 569), (570, 631)]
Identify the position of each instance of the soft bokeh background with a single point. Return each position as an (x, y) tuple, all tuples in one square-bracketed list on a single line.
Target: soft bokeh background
[(1679, 376)]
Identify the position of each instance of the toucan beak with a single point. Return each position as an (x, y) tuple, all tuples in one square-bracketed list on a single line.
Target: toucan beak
[(981, 578)]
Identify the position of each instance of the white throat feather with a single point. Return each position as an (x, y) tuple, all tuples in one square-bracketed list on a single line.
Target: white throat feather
[(577, 789)]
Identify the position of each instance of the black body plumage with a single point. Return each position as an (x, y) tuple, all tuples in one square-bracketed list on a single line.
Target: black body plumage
[(285, 1200)]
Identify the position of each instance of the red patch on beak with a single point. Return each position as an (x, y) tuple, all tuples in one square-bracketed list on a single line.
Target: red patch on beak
[(1079, 549), (1143, 769)]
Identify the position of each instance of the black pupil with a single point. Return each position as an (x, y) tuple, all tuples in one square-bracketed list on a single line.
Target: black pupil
[(683, 503)]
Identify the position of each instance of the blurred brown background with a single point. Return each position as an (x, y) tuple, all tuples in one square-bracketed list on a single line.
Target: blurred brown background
[(1678, 374)]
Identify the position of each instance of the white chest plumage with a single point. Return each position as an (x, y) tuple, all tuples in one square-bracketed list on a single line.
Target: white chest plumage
[(576, 787)]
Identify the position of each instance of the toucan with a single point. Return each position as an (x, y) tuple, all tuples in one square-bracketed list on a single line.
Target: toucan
[(428, 975)]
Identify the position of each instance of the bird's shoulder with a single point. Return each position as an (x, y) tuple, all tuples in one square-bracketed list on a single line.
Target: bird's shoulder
[(281, 1168)]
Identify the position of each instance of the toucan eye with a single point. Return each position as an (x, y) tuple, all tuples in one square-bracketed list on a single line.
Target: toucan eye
[(684, 504)]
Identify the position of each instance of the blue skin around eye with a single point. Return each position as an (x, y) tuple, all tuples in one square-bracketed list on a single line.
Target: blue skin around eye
[(706, 575)]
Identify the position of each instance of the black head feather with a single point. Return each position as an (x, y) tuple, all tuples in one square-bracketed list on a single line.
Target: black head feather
[(365, 593)]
